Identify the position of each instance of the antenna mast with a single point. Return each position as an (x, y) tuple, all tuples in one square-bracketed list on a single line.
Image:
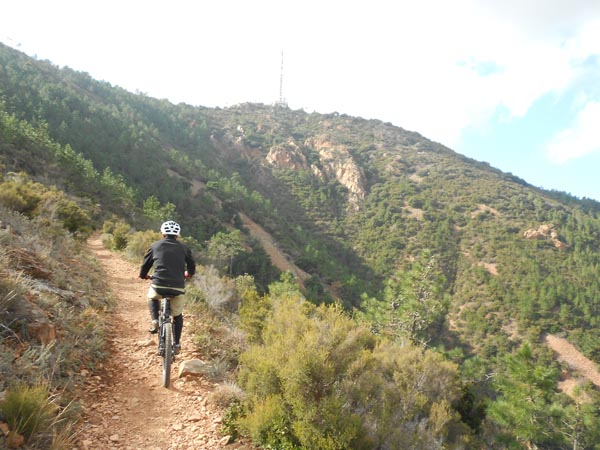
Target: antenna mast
[(281, 101)]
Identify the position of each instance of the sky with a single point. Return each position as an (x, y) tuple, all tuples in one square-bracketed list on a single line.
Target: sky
[(515, 83)]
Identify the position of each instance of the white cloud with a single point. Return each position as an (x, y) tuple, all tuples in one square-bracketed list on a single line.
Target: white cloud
[(439, 69), (435, 67), (586, 42), (579, 140)]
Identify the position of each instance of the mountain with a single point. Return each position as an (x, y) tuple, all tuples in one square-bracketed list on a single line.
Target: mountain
[(352, 202), (413, 238)]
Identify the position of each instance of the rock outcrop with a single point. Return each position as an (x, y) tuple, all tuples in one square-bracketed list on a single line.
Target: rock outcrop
[(547, 232), (338, 163), (287, 156), (335, 162)]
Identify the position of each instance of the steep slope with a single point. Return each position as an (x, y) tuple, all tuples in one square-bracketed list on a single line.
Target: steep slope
[(503, 249)]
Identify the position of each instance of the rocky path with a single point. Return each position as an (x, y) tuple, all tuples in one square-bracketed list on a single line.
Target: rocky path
[(125, 405)]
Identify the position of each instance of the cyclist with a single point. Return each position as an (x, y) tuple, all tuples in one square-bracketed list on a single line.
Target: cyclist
[(173, 263)]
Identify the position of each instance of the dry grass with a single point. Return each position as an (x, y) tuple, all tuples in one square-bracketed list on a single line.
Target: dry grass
[(51, 323), (226, 394)]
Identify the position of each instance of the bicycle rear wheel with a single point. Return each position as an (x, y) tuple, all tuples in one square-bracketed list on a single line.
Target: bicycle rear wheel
[(167, 355)]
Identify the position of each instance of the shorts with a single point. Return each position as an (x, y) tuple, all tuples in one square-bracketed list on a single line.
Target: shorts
[(177, 302)]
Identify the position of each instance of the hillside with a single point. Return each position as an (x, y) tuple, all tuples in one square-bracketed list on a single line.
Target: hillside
[(417, 243), (375, 198)]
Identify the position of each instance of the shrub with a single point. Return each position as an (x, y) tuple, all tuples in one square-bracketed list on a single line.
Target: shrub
[(409, 392), (73, 217), (20, 195), (318, 380), (28, 409), (253, 311), (226, 394), (215, 333), (121, 235), (139, 242), (219, 292), (295, 377), (230, 419), (119, 232), (269, 424)]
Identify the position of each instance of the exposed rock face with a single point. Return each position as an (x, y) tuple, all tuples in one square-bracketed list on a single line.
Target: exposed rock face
[(338, 163), (335, 162), (288, 156), (545, 231)]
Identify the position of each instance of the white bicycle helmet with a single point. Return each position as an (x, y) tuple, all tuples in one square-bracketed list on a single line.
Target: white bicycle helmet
[(170, 227)]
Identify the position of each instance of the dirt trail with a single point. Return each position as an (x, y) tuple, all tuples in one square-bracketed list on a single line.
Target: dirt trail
[(125, 406), (270, 246), (577, 362)]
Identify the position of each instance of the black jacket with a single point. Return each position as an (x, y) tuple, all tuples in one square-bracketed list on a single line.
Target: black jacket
[(170, 259)]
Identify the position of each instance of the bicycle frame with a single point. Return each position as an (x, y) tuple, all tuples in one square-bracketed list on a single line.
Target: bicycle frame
[(165, 339), (164, 317)]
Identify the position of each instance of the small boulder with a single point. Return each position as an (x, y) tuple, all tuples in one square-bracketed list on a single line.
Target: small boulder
[(192, 367)]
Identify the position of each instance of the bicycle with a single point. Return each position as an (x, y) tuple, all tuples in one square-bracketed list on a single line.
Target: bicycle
[(166, 345), (165, 339)]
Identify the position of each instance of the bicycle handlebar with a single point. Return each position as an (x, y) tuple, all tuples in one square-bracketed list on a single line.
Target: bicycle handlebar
[(186, 275)]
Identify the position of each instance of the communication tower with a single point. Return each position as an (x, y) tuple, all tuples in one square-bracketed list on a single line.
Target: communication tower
[(281, 101)]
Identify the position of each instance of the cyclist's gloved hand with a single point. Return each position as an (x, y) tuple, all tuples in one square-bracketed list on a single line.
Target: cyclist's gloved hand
[(145, 277)]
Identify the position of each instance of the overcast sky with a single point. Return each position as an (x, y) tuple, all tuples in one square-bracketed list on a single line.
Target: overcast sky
[(515, 83)]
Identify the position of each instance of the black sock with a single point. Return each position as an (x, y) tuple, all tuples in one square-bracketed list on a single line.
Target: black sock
[(177, 328), (153, 306)]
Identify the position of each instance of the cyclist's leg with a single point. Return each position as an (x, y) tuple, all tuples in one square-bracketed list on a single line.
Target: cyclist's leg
[(153, 306), (177, 328), (177, 314)]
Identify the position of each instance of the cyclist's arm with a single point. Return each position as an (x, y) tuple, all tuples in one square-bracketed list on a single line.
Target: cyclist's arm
[(146, 265), (190, 263)]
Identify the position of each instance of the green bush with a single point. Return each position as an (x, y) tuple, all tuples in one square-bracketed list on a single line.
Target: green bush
[(232, 414), (35, 199), (73, 217), (316, 379), (28, 410), (119, 232), (269, 424), (21, 195), (295, 378), (139, 242), (410, 392), (214, 332), (253, 310), (121, 235)]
